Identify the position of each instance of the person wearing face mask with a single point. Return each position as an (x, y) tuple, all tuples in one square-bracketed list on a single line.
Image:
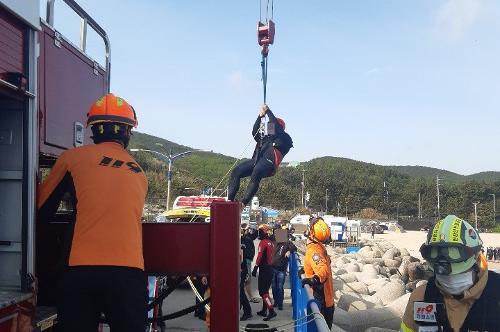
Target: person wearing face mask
[(462, 295)]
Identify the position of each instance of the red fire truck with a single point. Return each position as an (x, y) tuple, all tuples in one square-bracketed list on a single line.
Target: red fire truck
[(47, 83)]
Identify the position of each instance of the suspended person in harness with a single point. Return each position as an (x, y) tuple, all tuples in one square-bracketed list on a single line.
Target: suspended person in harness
[(270, 150), (462, 295)]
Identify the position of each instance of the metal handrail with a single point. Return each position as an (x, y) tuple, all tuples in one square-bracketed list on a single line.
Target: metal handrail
[(86, 20), (319, 320), (303, 300)]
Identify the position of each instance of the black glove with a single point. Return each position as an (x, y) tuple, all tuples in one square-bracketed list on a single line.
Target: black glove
[(254, 271), (311, 281)]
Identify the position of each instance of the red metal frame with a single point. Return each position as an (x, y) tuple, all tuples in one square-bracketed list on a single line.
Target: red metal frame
[(200, 248)]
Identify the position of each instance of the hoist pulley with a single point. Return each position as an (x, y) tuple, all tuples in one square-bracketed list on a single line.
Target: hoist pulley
[(265, 36)]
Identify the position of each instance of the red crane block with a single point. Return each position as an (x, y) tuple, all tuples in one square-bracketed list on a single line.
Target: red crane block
[(265, 35)]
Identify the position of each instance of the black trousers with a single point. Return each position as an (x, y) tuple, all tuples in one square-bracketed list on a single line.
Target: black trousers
[(85, 292), (244, 303), (328, 314), (265, 280), (258, 169)]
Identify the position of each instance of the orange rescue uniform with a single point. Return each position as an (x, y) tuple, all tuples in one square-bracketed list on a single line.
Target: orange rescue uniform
[(317, 262), (110, 190)]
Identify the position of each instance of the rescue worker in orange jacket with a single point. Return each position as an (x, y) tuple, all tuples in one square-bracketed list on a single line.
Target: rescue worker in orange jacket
[(104, 268), (462, 295), (317, 267)]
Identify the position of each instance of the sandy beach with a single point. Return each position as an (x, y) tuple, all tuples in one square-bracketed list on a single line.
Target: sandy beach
[(412, 240)]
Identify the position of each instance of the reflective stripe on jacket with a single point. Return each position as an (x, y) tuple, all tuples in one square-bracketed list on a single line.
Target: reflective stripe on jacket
[(317, 262)]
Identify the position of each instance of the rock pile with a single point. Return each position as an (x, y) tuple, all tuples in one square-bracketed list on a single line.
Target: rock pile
[(372, 286)]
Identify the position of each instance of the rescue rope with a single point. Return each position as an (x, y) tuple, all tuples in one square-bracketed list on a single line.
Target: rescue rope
[(263, 64), (198, 295), (265, 37), (286, 326), (164, 293), (179, 313)]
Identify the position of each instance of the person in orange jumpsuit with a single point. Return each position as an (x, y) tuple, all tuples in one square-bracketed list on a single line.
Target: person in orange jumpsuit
[(104, 266), (317, 267)]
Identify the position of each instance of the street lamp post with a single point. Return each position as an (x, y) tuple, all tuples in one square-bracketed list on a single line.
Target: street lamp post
[(326, 201), (437, 189), (494, 209), (170, 158), (475, 213), (397, 211)]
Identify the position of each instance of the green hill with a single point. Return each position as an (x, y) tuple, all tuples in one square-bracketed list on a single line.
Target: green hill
[(428, 173), (339, 183)]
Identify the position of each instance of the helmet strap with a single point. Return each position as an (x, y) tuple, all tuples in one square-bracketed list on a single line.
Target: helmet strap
[(111, 132)]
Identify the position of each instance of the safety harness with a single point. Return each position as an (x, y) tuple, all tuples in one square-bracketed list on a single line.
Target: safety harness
[(484, 315)]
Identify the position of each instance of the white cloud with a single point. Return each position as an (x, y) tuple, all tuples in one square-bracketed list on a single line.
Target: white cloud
[(455, 17), (378, 71), (235, 79), (372, 71)]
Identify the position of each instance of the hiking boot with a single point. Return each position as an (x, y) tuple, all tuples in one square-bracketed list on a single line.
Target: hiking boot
[(262, 313), (245, 317), (271, 315)]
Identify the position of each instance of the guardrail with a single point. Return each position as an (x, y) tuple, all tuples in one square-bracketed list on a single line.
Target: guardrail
[(306, 311), (85, 21)]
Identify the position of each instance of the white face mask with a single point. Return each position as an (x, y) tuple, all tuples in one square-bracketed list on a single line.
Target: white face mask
[(456, 284)]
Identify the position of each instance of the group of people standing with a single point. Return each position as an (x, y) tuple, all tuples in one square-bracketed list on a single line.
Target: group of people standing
[(270, 269), (493, 254), (271, 264)]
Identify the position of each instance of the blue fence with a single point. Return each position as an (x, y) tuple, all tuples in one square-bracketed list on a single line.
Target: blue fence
[(303, 303)]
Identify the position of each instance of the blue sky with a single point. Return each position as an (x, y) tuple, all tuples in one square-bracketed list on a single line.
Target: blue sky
[(389, 82)]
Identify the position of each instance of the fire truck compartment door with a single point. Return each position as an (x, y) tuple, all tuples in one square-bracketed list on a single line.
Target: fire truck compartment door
[(69, 83)]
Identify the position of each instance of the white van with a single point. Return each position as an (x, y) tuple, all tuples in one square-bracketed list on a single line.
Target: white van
[(337, 226)]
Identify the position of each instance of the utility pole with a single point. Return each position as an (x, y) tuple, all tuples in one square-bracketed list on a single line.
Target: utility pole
[(303, 184), (475, 212), (437, 187), (397, 211), (419, 206), (338, 209), (326, 201), (494, 209), (346, 217), (386, 193)]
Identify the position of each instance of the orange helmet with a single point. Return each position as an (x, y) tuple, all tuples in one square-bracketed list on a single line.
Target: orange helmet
[(110, 108), (265, 228), (318, 230)]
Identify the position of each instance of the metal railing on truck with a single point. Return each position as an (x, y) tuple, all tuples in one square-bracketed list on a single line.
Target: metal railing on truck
[(85, 21), (306, 312)]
